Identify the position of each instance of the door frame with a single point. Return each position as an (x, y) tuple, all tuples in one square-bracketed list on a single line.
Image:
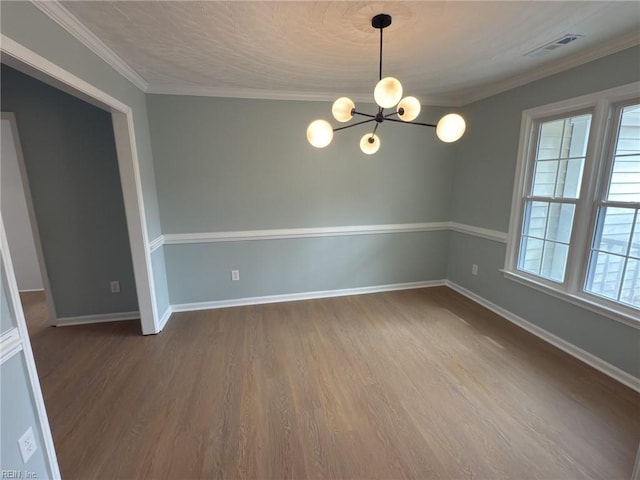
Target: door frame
[(29, 62)]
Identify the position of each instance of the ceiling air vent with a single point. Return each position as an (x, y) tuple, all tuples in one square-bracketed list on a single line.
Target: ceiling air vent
[(551, 46)]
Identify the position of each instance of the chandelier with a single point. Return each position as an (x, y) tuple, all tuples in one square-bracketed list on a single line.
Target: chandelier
[(387, 94)]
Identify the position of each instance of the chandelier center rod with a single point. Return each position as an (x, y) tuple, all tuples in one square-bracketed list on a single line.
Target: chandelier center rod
[(380, 66), (381, 21)]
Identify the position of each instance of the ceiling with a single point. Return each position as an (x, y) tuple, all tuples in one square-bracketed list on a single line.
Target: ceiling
[(443, 52)]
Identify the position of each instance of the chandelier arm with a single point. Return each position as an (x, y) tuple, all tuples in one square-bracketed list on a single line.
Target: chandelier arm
[(364, 114), (412, 123), (354, 124), (374, 129), (390, 114)]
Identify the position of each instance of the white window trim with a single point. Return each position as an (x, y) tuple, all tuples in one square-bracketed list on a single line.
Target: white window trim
[(601, 104)]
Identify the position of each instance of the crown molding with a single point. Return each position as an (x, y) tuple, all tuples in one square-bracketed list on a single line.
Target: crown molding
[(618, 44), (80, 32), (54, 10)]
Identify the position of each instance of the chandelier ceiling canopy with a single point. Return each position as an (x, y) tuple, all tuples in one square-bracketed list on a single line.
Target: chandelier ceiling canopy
[(387, 94)]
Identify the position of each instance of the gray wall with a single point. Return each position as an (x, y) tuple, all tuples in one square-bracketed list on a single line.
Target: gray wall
[(71, 163), (234, 164), (17, 407), (24, 23), (17, 414), (201, 272), (16, 215), (485, 161)]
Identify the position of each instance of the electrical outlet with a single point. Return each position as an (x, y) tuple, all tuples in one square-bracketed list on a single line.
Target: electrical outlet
[(235, 275), (474, 269), (27, 444), (115, 286)]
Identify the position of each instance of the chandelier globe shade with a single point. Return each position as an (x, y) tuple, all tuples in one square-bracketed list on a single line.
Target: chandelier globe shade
[(370, 143), (320, 133), (342, 109), (450, 127), (388, 92), (408, 109), (388, 95)]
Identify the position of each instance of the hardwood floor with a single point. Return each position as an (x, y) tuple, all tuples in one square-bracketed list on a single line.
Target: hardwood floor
[(412, 384)]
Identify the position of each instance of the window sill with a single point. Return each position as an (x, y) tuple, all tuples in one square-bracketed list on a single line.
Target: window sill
[(628, 318)]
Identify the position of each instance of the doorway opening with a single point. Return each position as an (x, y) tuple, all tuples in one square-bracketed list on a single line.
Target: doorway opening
[(29, 63)]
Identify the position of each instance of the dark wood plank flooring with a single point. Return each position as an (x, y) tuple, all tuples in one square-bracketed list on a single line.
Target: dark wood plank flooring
[(412, 384)]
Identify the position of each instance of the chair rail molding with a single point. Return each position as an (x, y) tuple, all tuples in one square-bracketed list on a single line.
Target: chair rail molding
[(314, 232)]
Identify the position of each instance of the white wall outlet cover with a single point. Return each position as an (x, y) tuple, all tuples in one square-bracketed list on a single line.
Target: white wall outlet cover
[(235, 275), (115, 286), (27, 444)]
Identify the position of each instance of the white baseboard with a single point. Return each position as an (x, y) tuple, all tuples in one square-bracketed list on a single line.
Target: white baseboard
[(165, 318), (29, 290), (100, 318), (291, 297), (586, 357)]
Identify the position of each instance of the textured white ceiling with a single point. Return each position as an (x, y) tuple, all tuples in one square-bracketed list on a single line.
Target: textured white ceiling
[(441, 51)]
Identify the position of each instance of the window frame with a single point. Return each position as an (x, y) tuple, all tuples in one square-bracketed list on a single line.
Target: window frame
[(600, 198), (597, 165), (526, 193)]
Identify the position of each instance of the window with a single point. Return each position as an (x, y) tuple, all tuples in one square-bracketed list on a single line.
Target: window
[(575, 220), (614, 265), (553, 195)]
